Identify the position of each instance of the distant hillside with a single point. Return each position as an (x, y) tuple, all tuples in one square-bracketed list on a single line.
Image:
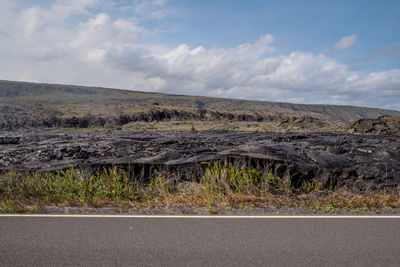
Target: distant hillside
[(50, 94)]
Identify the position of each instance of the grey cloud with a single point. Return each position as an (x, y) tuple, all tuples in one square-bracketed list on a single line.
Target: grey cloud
[(389, 50), (4, 34), (136, 60)]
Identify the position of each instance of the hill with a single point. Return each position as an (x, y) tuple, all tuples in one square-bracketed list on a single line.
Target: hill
[(55, 94)]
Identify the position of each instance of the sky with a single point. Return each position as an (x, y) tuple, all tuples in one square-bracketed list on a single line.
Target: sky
[(310, 51)]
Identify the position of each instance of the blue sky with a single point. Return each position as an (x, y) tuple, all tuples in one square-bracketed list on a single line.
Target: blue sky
[(297, 25), (332, 52)]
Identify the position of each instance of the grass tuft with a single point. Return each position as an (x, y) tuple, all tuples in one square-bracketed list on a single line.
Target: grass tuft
[(221, 187)]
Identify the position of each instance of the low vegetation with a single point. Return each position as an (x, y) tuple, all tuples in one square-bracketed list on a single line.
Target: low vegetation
[(221, 187), (82, 97)]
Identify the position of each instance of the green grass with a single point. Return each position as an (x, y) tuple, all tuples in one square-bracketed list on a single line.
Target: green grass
[(70, 185), (221, 187)]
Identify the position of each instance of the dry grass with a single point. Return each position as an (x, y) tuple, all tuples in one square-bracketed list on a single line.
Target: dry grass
[(184, 122), (204, 126), (221, 186)]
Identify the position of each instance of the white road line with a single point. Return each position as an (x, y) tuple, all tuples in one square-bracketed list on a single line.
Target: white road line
[(205, 216)]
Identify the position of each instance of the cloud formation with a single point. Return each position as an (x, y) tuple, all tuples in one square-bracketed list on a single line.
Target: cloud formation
[(345, 42), (51, 45)]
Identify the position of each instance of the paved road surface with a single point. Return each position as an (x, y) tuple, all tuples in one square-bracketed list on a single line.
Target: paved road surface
[(77, 241)]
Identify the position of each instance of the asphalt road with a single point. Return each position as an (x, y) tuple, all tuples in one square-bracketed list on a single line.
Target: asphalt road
[(77, 241)]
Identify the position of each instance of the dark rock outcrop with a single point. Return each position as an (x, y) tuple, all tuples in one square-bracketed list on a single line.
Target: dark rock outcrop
[(351, 162), (4, 140), (16, 116), (381, 125)]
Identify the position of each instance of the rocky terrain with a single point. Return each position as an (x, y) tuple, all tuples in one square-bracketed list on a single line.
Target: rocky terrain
[(16, 116), (341, 161), (58, 96), (51, 127), (381, 125)]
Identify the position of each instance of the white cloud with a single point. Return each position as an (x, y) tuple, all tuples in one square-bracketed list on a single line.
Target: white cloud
[(65, 8), (345, 42), (101, 35), (160, 2), (105, 51), (151, 9)]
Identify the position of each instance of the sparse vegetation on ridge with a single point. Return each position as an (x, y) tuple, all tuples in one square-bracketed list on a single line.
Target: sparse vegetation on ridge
[(81, 96), (222, 186)]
